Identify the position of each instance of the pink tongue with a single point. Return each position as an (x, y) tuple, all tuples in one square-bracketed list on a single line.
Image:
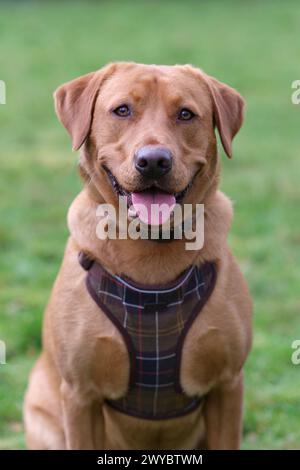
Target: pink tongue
[(153, 207)]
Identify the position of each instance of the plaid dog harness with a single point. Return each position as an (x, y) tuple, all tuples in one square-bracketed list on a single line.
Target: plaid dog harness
[(153, 323)]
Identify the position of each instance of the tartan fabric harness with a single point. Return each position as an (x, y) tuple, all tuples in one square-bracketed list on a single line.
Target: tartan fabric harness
[(153, 323)]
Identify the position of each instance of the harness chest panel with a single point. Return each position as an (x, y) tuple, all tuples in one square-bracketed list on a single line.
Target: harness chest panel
[(153, 322)]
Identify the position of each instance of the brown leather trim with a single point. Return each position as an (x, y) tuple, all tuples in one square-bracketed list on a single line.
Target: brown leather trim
[(175, 414), (196, 311)]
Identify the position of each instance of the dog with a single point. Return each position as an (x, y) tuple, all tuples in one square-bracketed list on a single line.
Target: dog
[(144, 131)]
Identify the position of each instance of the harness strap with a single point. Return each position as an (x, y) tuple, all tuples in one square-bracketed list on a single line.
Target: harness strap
[(153, 321)]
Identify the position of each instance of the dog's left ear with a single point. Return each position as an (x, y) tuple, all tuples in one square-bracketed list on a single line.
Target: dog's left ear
[(75, 101), (228, 107)]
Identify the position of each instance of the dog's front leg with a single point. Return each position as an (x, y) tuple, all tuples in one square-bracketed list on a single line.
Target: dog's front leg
[(223, 412), (78, 419)]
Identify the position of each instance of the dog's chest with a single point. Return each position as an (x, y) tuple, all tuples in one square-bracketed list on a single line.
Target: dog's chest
[(153, 323)]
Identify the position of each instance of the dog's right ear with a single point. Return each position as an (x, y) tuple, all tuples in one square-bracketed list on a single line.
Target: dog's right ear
[(75, 101)]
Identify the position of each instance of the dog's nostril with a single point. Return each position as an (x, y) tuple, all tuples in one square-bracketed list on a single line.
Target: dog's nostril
[(142, 162), (164, 163)]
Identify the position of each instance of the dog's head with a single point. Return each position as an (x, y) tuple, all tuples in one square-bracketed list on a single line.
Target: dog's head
[(148, 132)]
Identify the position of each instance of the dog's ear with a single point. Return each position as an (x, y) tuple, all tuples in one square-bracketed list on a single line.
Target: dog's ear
[(228, 107), (75, 101)]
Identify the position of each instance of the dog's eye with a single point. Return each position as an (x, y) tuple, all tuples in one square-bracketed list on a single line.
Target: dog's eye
[(122, 111), (185, 114)]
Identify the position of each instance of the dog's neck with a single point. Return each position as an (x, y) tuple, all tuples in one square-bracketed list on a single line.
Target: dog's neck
[(143, 260)]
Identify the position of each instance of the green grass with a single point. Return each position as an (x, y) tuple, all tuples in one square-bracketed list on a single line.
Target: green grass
[(253, 46)]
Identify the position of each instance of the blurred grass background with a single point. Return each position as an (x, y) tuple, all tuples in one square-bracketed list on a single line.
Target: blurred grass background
[(253, 46)]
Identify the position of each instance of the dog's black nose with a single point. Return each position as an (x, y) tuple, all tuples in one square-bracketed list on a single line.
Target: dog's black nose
[(153, 161)]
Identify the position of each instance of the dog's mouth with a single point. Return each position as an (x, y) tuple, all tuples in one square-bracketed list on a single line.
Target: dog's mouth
[(152, 205)]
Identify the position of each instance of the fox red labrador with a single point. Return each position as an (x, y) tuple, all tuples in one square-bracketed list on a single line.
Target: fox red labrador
[(144, 340)]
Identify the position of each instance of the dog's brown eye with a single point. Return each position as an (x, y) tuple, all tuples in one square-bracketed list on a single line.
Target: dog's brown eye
[(185, 114), (122, 111)]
